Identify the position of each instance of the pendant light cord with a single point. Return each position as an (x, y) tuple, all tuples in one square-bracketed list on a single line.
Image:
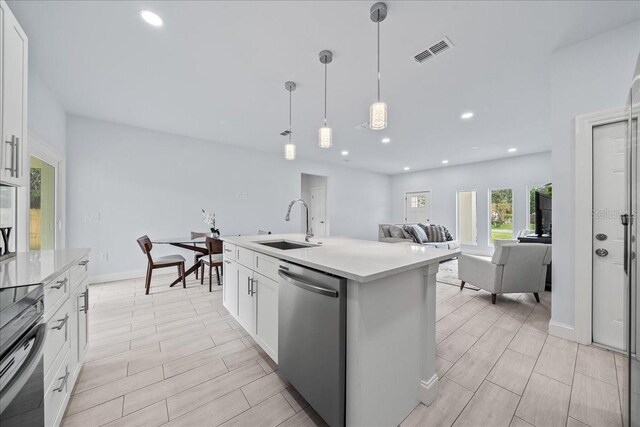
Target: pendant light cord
[(325, 94), (290, 116), (378, 56)]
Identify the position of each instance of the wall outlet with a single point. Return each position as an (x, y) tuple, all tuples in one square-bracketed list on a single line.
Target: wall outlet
[(104, 256)]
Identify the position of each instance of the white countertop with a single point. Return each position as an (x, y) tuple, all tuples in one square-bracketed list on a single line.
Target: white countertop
[(37, 267), (359, 260)]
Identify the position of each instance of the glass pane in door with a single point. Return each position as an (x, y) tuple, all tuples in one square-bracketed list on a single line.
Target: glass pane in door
[(42, 214), (501, 226)]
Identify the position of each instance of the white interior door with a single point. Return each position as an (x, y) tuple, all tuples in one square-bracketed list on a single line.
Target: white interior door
[(417, 207), (609, 142), (319, 211)]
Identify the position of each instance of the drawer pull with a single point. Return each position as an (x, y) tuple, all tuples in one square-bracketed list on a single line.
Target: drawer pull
[(62, 322), (63, 384), (85, 262), (60, 284), (227, 261), (227, 250)]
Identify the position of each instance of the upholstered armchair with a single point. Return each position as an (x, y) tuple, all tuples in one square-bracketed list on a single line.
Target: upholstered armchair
[(514, 267)]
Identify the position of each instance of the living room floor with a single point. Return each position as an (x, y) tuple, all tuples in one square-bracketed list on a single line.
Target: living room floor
[(176, 357)]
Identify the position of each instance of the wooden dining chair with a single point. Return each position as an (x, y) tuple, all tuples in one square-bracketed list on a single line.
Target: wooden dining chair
[(212, 259), (197, 255), (161, 262)]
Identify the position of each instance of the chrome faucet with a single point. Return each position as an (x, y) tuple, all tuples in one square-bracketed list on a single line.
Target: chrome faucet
[(308, 234)]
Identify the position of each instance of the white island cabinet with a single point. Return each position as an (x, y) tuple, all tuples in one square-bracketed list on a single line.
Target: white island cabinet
[(250, 294), (63, 274), (390, 314)]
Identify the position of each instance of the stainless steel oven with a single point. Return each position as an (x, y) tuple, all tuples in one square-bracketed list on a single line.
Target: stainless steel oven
[(22, 336)]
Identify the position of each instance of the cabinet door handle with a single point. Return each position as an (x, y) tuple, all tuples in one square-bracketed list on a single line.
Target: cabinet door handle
[(85, 262), (64, 379), (12, 143), (62, 322), (86, 300), (248, 285), (252, 288), (60, 284), (17, 156)]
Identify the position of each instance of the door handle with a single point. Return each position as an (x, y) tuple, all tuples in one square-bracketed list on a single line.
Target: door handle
[(602, 252), (308, 286), (624, 219)]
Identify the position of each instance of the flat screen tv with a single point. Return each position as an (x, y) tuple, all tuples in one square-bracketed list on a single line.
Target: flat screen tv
[(542, 213)]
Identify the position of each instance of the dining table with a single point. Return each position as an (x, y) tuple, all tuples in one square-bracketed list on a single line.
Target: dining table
[(197, 245)]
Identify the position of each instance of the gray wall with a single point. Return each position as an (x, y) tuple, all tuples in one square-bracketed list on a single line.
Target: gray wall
[(588, 77), (47, 118), (124, 182), (516, 173)]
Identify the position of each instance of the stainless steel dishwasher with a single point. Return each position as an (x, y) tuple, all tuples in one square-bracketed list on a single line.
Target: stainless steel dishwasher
[(312, 314)]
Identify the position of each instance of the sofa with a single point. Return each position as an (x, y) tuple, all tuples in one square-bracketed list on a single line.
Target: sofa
[(384, 235)]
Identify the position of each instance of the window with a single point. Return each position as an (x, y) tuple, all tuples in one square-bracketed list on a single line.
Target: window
[(467, 218), (501, 210), (531, 209), (418, 201)]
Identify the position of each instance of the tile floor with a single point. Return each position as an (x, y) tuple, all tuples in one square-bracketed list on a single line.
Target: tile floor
[(177, 358)]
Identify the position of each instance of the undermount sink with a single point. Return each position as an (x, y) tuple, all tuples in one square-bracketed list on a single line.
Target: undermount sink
[(286, 244)]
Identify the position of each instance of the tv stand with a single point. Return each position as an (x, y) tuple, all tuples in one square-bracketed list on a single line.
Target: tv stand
[(534, 238), (546, 239)]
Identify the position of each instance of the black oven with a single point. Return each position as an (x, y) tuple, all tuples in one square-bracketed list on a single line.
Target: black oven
[(22, 336)]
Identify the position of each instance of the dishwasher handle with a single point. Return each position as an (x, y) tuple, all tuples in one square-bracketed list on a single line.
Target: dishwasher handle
[(308, 286)]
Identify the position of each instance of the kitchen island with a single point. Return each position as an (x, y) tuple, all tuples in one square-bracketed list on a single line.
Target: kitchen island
[(390, 314)]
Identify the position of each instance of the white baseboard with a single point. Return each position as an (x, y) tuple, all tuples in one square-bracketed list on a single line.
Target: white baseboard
[(562, 330), (114, 277)]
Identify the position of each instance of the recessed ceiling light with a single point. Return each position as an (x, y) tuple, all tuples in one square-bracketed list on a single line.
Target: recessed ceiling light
[(344, 153), (512, 150), (151, 18), (466, 115), (444, 162), (475, 147), (386, 140), (407, 168)]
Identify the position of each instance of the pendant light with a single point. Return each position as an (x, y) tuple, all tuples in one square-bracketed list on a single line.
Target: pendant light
[(378, 110), (325, 133), (289, 148)]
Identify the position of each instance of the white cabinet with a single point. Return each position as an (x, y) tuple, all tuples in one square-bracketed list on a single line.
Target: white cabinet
[(66, 300), (266, 301), (250, 294), (246, 305), (13, 99), (230, 288)]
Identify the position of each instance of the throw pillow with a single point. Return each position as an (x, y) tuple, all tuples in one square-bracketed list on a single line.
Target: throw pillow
[(397, 232), (386, 230), (447, 234), (420, 234), (409, 229), (435, 233)]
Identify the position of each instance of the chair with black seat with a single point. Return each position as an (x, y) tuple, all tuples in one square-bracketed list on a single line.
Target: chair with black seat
[(197, 255), (161, 262), (212, 259)]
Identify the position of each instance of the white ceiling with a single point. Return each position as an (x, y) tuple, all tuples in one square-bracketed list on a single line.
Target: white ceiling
[(216, 70)]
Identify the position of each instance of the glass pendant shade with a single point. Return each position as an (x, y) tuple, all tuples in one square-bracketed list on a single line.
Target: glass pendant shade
[(378, 115), (326, 137), (290, 151)]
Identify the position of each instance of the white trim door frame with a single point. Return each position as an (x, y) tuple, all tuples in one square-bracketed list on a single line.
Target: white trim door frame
[(40, 149), (583, 225)]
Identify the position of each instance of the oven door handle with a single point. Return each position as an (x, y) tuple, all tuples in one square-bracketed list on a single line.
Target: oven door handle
[(15, 384)]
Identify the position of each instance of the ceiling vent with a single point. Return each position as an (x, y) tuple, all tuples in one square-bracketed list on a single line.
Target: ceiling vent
[(437, 48)]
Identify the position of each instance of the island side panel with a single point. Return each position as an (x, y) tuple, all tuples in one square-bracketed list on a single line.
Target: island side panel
[(387, 342), (429, 381)]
